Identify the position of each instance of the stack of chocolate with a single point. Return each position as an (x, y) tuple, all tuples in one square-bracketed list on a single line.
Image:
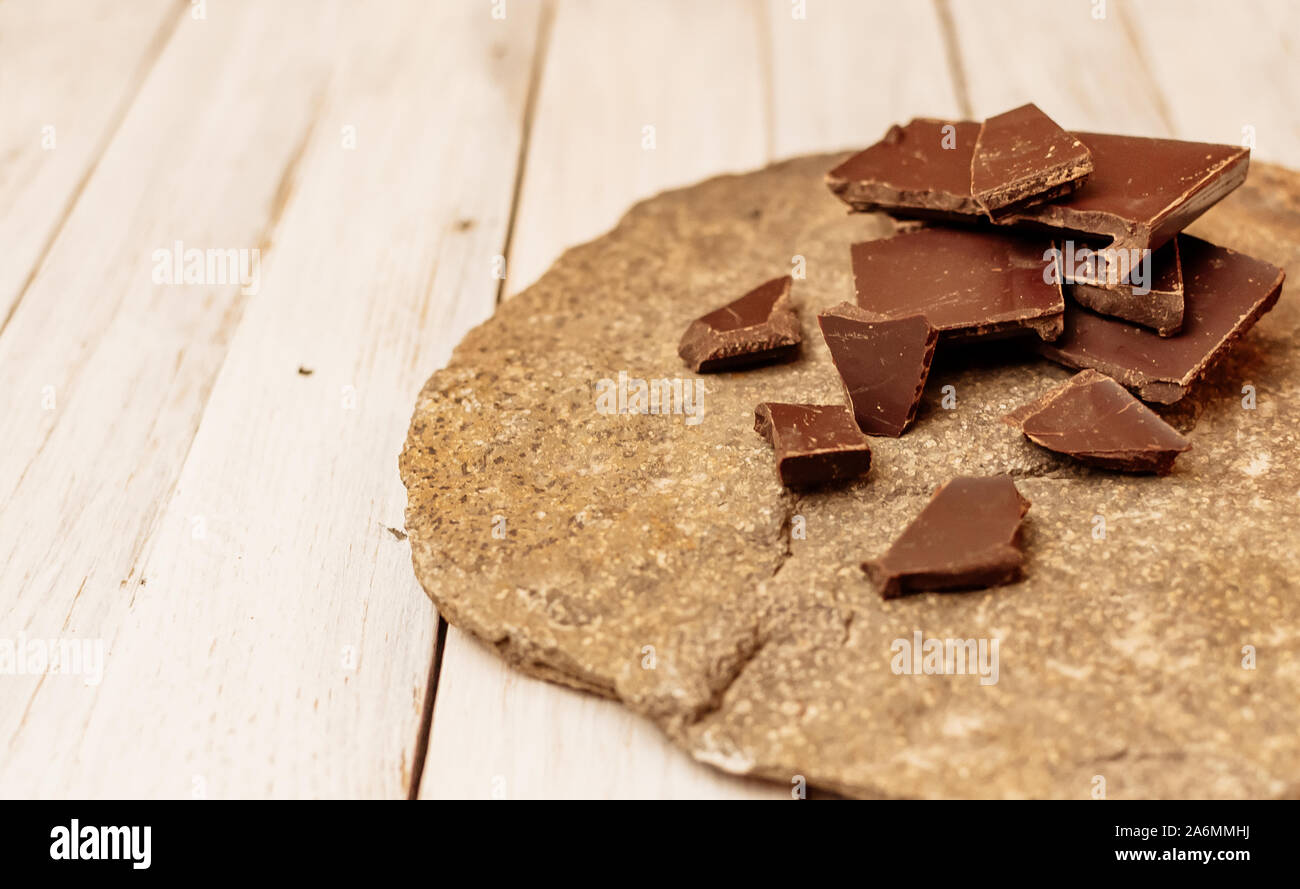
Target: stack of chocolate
[(1070, 240)]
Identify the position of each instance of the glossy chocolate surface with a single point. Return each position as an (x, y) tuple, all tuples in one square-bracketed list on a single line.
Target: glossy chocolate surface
[(1095, 420)]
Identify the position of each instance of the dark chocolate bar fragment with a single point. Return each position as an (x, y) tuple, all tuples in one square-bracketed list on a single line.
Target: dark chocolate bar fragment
[(759, 328), (1142, 191), (1095, 420), (923, 168), (814, 443), (1023, 158), (969, 284), (1159, 308), (883, 364), (967, 537), (1224, 294)]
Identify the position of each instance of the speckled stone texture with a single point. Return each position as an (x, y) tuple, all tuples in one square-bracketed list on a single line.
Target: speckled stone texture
[(658, 561)]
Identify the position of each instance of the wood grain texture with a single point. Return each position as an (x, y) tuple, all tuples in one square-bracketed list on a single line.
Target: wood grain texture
[(1221, 70), (73, 68), (850, 69), (260, 614), (1085, 72), (109, 373)]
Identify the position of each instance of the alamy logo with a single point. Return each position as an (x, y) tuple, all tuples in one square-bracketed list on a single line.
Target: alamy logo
[(90, 843), (946, 657), (21, 656), (632, 395), (1106, 267), (216, 265)]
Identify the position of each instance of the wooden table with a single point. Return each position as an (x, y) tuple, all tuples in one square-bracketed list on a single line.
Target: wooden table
[(201, 479)]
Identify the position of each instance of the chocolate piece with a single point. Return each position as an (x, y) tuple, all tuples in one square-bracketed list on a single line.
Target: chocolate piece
[(759, 328), (1161, 308), (1095, 420), (968, 536), (921, 167), (1142, 192), (882, 364), (1224, 294), (969, 284), (1023, 158), (814, 443)]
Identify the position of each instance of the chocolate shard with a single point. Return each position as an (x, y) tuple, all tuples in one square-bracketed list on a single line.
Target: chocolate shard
[(814, 443), (969, 284), (967, 537), (1023, 158), (1159, 308), (1095, 420), (1224, 294), (883, 364), (923, 167), (759, 328), (1142, 191)]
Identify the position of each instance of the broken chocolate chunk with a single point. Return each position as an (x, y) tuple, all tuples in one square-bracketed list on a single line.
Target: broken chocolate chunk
[(1142, 191), (923, 167), (969, 284), (883, 364), (759, 328), (1224, 294), (1023, 158), (1095, 420), (814, 443), (1160, 307), (967, 537)]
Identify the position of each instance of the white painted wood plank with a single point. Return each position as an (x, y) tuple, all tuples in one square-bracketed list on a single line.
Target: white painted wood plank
[(67, 72), (692, 71), (848, 69), (1086, 72), (265, 634), (1223, 68)]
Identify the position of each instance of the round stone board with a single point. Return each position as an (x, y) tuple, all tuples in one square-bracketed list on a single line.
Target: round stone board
[(655, 559)]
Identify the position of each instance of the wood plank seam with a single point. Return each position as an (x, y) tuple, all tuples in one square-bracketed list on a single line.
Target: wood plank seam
[(952, 49), (152, 53), (426, 719), (280, 199), (546, 20), (1153, 87), (544, 24)]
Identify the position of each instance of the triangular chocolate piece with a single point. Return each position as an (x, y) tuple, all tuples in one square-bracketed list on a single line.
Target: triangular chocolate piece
[(1023, 158), (883, 364), (968, 283), (759, 328), (814, 443), (1095, 420), (967, 537)]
